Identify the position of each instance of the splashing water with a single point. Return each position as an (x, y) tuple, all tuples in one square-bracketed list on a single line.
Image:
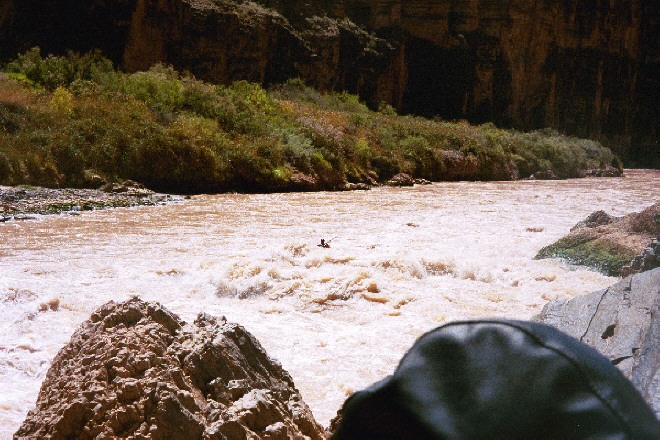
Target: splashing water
[(404, 261)]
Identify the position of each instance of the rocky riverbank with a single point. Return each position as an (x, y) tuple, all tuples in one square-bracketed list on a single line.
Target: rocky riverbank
[(610, 244), (24, 202)]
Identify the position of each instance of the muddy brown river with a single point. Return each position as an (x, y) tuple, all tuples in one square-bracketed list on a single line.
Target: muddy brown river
[(402, 261)]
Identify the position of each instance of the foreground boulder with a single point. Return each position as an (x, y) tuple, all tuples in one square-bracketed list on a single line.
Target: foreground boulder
[(623, 323), (135, 370)]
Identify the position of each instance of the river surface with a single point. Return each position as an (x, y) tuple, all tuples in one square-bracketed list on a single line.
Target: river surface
[(402, 261)]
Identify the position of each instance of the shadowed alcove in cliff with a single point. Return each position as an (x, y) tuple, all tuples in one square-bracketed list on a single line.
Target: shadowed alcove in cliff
[(77, 25), (439, 79)]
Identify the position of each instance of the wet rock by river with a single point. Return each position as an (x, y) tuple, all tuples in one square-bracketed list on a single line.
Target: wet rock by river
[(24, 202)]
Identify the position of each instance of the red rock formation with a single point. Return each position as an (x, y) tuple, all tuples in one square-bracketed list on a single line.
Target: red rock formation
[(586, 67), (135, 370)]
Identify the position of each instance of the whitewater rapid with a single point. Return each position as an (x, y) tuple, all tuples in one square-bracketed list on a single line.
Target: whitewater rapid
[(402, 261)]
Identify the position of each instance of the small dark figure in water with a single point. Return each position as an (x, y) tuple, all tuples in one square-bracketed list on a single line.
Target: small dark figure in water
[(324, 244)]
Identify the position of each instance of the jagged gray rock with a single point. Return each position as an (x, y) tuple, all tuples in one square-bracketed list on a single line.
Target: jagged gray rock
[(136, 371), (623, 323)]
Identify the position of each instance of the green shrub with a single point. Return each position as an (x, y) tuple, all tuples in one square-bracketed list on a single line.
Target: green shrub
[(347, 102), (362, 152), (11, 118), (176, 133), (386, 109), (61, 101), (201, 98), (69, 161), (52, 72), (250, 172), (296, 90), (320, 164), (426, 163), (253, 97), (159, 87)]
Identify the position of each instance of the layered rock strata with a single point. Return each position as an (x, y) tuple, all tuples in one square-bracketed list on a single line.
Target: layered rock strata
[(589, 68), (135, 370), (623, 323)]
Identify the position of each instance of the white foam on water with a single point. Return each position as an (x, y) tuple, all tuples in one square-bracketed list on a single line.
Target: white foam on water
[(402, 261)]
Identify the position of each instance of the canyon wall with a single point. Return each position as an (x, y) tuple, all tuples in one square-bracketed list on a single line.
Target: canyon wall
[(590, 68)]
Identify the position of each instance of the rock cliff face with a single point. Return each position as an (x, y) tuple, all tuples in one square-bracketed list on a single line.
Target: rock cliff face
[(623, 323), (134, 370), (589, 68)]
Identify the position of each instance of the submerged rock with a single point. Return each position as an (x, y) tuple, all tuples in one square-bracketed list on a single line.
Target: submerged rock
[(623, 323), (422, 182), (401, 179), (304, 182), (544, 175), (356, 187), (135, 370), (458, 166), (608, 171)]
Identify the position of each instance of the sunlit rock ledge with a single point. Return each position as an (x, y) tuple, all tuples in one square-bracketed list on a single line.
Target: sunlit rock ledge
[(135, 370), (623, 323)]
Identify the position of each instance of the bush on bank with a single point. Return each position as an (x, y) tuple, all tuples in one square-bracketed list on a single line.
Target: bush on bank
[(64, 119)]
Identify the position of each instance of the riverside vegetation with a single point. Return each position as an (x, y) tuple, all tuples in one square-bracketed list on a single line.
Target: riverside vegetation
[(74, 120)]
